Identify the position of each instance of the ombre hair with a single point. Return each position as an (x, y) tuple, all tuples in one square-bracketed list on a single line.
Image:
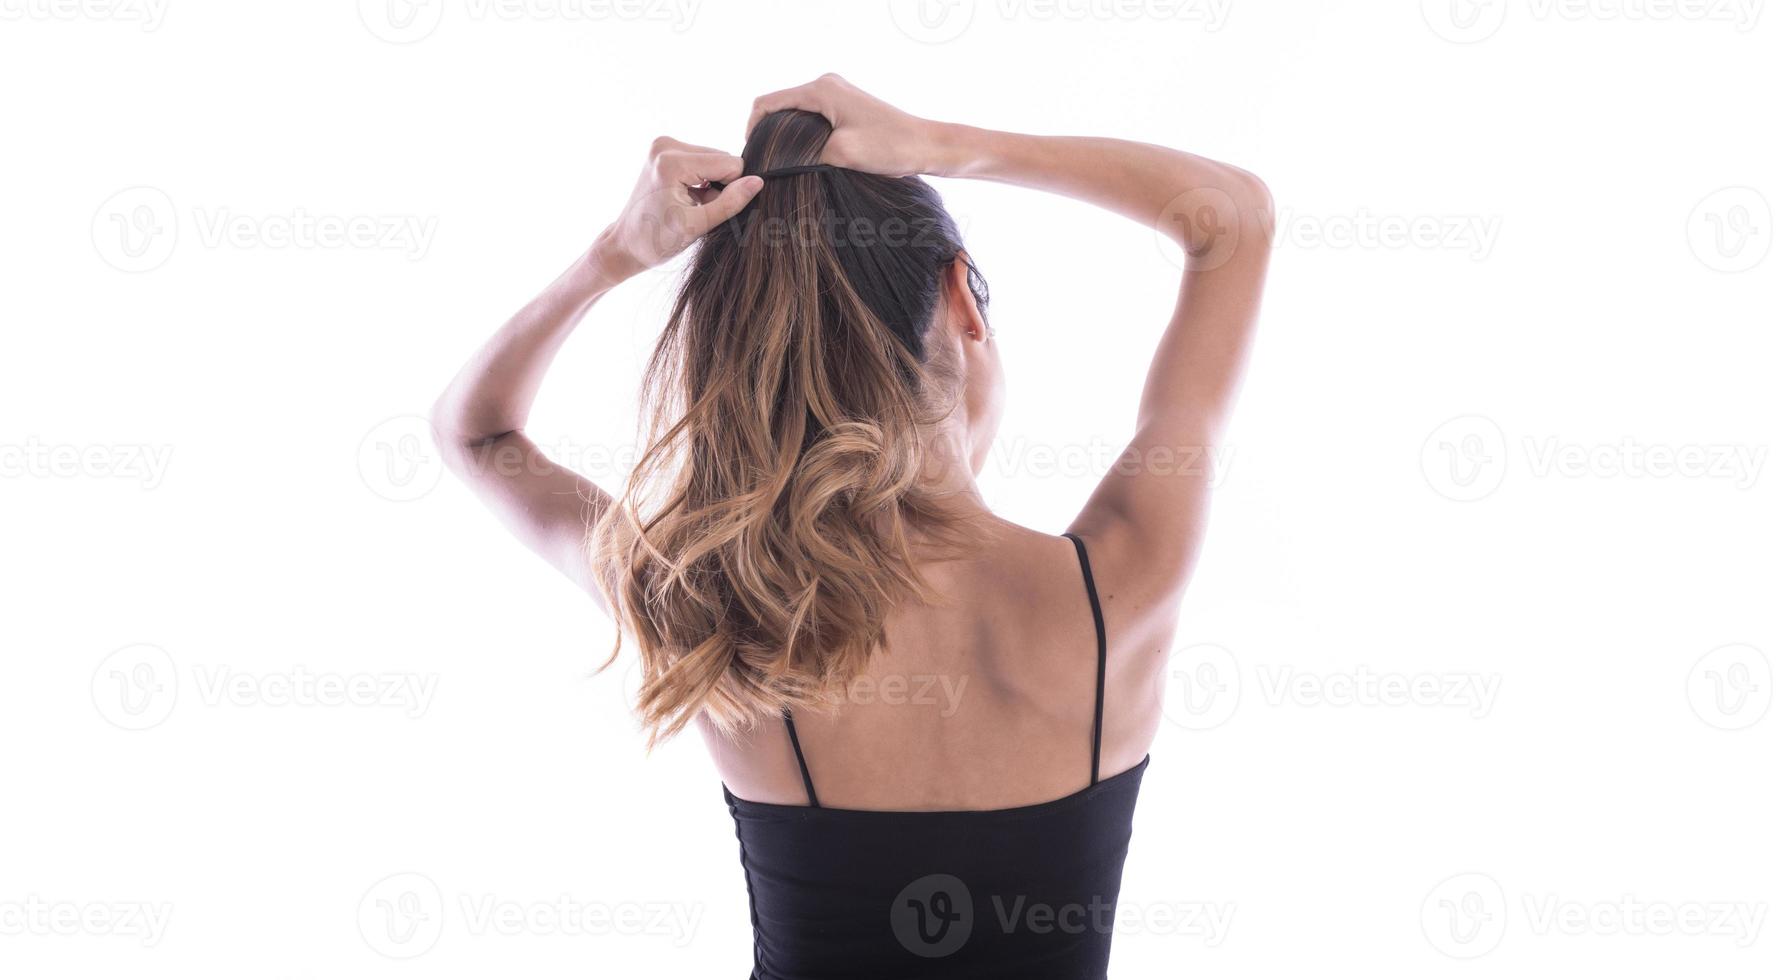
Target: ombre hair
[(767, 532)]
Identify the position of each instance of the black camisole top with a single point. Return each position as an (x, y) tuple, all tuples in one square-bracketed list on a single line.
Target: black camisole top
[(1026, 893)]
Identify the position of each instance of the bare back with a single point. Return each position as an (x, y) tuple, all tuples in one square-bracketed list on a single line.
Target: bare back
[(982, 701)]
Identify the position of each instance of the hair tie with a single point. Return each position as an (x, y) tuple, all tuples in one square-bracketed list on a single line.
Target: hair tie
[(804, 168)]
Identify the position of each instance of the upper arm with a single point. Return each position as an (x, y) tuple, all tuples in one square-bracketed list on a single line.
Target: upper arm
[(1150, 510), (549, 507)]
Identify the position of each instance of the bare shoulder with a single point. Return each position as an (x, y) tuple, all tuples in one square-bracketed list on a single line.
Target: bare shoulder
[(1016, 601), (1140, 598), (1140, 593), (1040, 573), (1137, 602)]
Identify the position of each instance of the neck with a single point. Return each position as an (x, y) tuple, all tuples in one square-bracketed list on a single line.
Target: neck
[(948, 468)]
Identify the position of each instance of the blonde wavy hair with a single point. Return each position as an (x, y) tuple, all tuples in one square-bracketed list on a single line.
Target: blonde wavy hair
[(767, 532)]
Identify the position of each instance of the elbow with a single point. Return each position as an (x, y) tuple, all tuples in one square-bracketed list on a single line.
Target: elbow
[(1226, 211), (462, 444), (453, 439), (441, 422), (1257, 208)]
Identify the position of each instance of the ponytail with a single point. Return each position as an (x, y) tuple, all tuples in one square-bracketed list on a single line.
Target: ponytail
[(766, 534)]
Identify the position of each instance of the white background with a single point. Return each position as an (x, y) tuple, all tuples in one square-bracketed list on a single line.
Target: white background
[(1505, 445)]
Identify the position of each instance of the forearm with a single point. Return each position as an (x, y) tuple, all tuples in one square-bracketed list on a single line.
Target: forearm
[(493, 393), (1140, 181)]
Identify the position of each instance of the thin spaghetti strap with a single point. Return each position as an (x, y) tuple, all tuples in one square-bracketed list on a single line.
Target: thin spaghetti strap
[(811, 792), (1102, 657)]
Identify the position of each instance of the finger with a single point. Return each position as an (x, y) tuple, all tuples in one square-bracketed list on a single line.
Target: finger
[(808, 97), (677, 146), (669, 144), (730, 201), (693, 169)]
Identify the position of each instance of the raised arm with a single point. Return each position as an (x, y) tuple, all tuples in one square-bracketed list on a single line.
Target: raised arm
[(480, 419), (1146, 518), (1151, 508)]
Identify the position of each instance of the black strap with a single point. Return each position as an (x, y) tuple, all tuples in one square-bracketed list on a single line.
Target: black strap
[(804, 168), (811, 792), (1102, 657)]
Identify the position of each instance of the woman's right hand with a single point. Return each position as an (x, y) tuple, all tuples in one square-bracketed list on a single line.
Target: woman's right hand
[(673, 204), (866, 134)]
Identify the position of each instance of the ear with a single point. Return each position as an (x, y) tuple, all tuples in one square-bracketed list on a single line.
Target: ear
[(964, 317)]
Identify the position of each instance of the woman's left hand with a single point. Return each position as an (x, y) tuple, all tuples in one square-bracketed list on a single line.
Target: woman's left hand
[(674, 204)]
